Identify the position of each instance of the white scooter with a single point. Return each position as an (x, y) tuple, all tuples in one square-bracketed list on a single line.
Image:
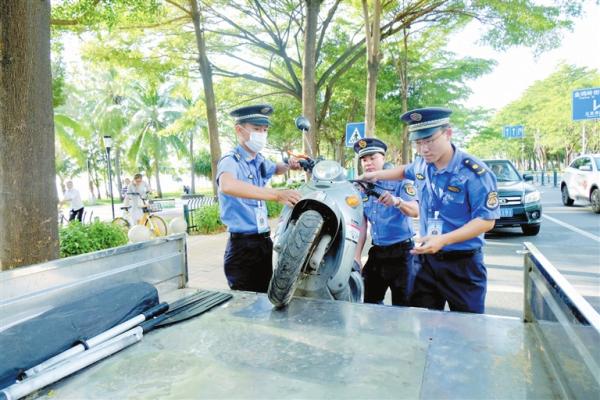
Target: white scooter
[(315, 240)]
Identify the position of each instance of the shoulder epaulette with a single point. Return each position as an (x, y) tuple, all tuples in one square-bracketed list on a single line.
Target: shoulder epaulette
[(473, 166), (233, 154)]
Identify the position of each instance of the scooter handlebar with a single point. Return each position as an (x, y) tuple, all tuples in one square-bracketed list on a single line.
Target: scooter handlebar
[(369, 188), (305, 161)]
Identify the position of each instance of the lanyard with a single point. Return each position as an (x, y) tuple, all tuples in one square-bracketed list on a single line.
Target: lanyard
[(252, 174), (437, 200)]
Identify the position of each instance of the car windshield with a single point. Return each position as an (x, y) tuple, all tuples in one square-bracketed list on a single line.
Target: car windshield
[(504, 171), (597, 161)]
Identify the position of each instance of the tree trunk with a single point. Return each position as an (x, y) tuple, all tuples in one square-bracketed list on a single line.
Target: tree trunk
[(209, 94), (192, 172), (118, 173), (105, 180), (97, 180), (406, 154), (373, 39), (90, 180), (309, 85), (28, 217), (341, 146), (157, 172)]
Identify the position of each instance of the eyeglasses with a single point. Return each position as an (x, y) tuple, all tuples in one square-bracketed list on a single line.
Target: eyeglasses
[(427, 143)]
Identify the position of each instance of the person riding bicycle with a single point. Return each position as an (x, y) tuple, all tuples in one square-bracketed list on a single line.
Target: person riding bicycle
[(137, 194)]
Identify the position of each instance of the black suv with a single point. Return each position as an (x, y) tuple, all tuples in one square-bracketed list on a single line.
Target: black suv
[(519, 201)]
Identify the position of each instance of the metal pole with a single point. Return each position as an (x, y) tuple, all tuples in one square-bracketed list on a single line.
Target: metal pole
[(112, 200), (583, 139), (543, 172)]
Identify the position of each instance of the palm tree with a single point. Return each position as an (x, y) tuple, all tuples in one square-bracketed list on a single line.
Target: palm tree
[(154, 110), (92, 111)]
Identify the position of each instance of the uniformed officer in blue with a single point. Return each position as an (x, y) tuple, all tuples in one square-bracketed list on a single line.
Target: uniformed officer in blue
[(390, 264), (241, 176), (458, 203)]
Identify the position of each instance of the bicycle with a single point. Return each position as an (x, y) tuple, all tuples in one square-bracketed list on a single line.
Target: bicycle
[(156, 225), (62, 220)]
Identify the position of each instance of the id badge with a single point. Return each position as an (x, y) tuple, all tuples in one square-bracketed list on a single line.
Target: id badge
[(262, 222), (435, 225)]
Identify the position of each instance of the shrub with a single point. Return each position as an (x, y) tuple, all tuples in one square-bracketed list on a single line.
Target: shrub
[(77, 238), (274, 209), (207, 219)]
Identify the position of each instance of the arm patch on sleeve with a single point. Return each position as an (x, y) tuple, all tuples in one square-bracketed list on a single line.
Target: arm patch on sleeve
[(410, 189), (492, 200)]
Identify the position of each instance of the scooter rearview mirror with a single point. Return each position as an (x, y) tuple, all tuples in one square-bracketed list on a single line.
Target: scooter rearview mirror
[(302, 123)]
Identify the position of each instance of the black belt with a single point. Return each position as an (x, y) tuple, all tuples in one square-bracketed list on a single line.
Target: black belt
[(263, 235), (453, 255), (405, 245)]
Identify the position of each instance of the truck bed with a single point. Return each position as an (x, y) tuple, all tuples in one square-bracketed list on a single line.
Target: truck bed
[(323, 349)]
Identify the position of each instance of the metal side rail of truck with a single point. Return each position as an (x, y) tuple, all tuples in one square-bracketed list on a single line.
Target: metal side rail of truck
[(245, 348)]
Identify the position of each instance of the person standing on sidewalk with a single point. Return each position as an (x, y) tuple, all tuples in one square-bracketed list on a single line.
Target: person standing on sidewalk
[(458, 203), (242, 175), (390, 264), (72, 195)]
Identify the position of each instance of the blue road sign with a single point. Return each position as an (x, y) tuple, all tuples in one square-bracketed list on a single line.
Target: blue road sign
[(586, 104), (513, 132), (354, 132)]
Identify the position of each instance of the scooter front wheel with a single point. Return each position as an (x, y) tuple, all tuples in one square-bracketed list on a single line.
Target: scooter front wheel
[(295, 253)]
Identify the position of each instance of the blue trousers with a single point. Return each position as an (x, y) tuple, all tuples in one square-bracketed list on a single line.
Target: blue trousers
[(461, 282), (248, 264), (389, 267)]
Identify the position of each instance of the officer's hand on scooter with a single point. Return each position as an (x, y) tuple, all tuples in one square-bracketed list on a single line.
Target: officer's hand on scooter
[(387, 199), (293, 163), (288, 197), (429, 244)]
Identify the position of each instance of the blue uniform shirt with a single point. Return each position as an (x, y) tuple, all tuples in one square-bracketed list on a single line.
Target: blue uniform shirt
[(237, 213), (388, 224), (466, 189)]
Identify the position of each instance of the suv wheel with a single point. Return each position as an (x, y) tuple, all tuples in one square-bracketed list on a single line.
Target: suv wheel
[(530, 230), (566, 200), (595, 200)]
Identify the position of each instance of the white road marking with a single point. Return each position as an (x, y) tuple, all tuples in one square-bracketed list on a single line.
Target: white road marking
[(573, 228)]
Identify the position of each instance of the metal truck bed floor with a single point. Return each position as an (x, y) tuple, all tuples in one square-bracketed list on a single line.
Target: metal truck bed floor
[(323, 349)]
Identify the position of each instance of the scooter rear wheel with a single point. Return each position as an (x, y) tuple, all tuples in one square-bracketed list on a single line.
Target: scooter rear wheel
[(295, 254)]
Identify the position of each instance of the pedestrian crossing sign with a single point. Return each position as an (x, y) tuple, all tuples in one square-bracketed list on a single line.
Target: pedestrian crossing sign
[(354, 132)]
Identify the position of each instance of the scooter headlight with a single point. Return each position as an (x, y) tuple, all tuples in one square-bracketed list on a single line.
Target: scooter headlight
[(532, 197), (327, 170)]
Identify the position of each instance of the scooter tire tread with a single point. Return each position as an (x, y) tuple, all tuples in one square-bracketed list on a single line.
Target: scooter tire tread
[(296, 252)]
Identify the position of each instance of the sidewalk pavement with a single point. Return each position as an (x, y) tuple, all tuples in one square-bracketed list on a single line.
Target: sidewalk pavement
[(205, 259)]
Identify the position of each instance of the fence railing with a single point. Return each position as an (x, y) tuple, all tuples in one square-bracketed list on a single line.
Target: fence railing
[(194, 202), (546, 178)]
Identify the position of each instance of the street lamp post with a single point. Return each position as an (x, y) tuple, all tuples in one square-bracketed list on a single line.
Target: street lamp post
[(107, 144)]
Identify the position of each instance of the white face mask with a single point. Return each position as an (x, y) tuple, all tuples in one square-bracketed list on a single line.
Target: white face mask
[(257, 141)]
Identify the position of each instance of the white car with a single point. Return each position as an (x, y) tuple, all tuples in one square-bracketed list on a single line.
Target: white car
[(581, 181)]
